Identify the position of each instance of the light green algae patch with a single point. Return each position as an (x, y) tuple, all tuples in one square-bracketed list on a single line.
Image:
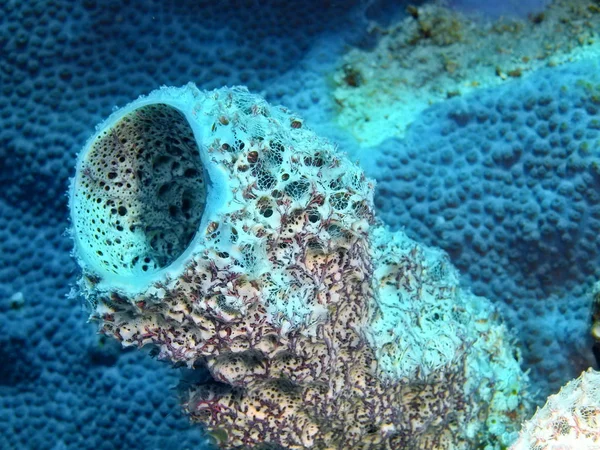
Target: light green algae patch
[(436, 53)]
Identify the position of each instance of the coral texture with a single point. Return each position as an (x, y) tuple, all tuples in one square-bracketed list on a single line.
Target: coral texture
[(64, 67), (320, 328), (570, 420), (506, 181)]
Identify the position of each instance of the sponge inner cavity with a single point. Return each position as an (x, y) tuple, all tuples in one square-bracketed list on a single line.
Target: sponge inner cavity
[(140, 192)]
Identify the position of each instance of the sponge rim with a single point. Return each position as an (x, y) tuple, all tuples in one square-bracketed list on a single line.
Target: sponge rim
[(189, 101)]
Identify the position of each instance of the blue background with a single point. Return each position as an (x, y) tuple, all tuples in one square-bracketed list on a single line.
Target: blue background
[(66, 65)]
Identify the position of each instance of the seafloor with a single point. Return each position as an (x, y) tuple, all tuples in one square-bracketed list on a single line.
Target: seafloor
[(479, 123)]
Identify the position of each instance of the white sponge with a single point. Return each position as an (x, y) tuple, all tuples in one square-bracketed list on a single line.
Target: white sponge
[(570, 420)]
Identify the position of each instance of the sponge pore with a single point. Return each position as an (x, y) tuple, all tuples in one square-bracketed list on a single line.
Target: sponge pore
[(140, 193)]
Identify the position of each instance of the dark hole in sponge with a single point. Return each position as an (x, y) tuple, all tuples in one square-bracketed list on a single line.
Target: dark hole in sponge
[(186, 204), (163, 190)]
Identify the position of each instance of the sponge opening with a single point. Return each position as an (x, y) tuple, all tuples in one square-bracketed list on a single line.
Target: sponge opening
[(139, 192)]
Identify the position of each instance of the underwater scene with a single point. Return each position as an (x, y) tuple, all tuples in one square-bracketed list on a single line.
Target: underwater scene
[(328, 224)]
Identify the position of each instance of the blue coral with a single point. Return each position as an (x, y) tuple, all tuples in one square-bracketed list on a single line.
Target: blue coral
[(507, 181), (64, 66)]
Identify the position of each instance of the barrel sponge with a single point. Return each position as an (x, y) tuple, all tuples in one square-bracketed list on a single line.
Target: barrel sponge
[(570, 420), (297, 300), (276, 195)]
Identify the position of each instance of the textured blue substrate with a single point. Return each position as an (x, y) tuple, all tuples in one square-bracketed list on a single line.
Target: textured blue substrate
[(507, 181), (64, 66)]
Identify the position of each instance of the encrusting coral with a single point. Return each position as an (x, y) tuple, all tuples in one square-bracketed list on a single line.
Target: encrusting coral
[(321, 329)]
